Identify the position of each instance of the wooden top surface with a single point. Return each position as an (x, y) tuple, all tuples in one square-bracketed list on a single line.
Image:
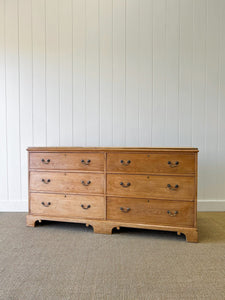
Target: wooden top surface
[(111, 149)]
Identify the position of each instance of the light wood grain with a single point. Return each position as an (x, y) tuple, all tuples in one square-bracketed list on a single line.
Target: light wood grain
[(151, 163), (112, 149), (151, 186), (150, 211), (106, 227), (68, 205), (142, 191), (191, 235), (67, 161), (67, 182)]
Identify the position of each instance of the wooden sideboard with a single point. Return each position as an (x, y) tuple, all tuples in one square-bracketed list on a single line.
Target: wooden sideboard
[(151, 188)]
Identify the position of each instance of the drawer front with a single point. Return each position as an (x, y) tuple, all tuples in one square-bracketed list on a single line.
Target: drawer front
[(174, 163), (159, 187), (67, 161), (143, 211), (77, 206), (67, 182)]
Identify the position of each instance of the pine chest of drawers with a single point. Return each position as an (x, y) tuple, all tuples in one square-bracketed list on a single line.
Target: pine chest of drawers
[(152, 188)]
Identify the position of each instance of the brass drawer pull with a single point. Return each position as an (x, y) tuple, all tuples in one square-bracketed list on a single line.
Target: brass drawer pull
[(46, 205), (86, 184), (46, 182), (125, 210), (173, 188), (85, 207), (173, 165), (172, 214), (45, 161), (125, 186), (85, 162), (125, 163)]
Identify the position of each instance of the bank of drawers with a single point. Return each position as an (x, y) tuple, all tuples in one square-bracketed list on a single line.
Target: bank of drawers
[(143, 188), (68, 185), (151, 188)]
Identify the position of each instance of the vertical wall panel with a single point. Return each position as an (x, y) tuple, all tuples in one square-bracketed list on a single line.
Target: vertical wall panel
[(52, 72), (65, 67), (79, 72), (146, 74), (39, 72), (198, 86), (92, 72), (158, 114), (172, 73), (26, 86), (13, 100), (3, 108), (185, 72), (132, 72), (212, 89), (221, 106), (105, 64), (119, 72)]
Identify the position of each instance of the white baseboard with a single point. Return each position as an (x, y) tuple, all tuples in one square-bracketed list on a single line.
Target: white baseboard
[(22, 206), (14, 206), (211, 205)]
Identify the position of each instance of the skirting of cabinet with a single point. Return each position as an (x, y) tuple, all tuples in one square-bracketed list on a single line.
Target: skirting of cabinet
[(106, 227)]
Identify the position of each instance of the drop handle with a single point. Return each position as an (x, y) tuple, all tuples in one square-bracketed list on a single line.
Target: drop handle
[(172, 188), (46, 205), (86, 184), (125, 163), (87, 162), (172, 214), (88, 206), (125, 186), (44, 181), (125, 210), (173, 165), (45, 161)]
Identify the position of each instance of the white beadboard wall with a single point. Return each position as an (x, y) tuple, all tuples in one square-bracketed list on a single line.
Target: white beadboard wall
[(112, 73)]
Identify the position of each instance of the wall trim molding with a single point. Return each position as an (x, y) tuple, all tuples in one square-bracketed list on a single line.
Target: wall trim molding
[(22, 206), (14, 206), (211, 205)]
